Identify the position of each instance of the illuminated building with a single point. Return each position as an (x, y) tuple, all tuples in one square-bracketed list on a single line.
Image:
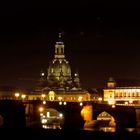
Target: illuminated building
[(126, 95), (58, 75), (58, 84)]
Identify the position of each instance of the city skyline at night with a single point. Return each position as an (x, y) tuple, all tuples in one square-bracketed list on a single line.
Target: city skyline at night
[(101, 41)]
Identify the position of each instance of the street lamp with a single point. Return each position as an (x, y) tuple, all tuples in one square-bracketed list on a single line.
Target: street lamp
[(23, 96), (17, 95)]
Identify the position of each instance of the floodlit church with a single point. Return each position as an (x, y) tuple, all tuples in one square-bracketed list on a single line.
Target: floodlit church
[(58, 84)]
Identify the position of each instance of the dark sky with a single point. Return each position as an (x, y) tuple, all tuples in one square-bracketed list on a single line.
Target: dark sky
[(102, 39)]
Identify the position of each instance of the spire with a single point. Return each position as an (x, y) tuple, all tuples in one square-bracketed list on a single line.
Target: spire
[(59, 47), (60, 35), (59, 41)]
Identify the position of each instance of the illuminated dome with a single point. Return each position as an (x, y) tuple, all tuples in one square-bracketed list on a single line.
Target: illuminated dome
[(59, 72), (59, 67)]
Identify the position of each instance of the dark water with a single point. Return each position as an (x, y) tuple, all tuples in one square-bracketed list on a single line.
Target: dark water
[(114, 130)]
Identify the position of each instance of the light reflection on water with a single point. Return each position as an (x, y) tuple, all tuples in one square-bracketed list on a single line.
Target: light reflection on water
[(113, 129)]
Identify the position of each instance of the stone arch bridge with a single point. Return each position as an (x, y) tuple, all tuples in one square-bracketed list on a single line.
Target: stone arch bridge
[(15, 113), (125, 116)]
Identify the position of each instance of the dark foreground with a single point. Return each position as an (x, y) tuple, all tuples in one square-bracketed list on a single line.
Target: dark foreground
[(43, 134)]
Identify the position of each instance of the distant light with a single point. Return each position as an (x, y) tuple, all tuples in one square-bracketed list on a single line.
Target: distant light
[(110, 102), (99, 99), (44, 121), (126, 103), (65, 103), (44, 126), (42, 74), (16, 94), (130, 101), (113, 106), (61, 115), (60, 103), (23, 96), (59, 98), (44, 102), (48, 114), (41, 114), (43, 95), (80, 98), (81, 104), (41, 109)]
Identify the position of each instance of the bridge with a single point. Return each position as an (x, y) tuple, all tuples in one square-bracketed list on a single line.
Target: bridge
[(76, 114), (27, 114)]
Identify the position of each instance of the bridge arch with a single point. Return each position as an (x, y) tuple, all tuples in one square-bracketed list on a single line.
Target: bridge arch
[(106, 119), (119, 114), (51, 118)]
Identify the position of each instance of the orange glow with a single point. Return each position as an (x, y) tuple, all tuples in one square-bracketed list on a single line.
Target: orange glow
[(80, 98), (86, 113), (113, 106), (16, 94), (41, 109), (43, 95), (23, 96)]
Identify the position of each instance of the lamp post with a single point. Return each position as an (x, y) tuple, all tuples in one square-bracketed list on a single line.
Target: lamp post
[(17, 95)]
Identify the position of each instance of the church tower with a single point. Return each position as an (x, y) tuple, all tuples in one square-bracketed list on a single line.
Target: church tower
[(58, 83), (59, 70), (59, 48)]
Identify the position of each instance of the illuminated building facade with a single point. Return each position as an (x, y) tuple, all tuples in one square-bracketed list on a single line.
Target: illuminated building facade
[(58, 81), (58, 75), (124, 95)]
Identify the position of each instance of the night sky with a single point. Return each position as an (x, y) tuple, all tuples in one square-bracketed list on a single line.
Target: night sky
[(102, 39)]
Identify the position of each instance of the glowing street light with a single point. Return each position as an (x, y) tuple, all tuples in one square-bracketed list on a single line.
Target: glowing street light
[(60, 103), (44, 102), (113, 106), (41, 109), (59, 98), (23, 96), (17, 95), (80, 98), (100, 99), (43, 95), (65, 103), (81, 104)]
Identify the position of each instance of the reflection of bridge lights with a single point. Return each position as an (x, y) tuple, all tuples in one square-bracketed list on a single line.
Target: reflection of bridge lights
[(44, 102), (48, 114), (65, 103), (44, 121), (41, 114), (44, 126), (81, 104)]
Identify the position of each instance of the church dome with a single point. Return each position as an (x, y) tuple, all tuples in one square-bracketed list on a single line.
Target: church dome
[(58, 67)]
